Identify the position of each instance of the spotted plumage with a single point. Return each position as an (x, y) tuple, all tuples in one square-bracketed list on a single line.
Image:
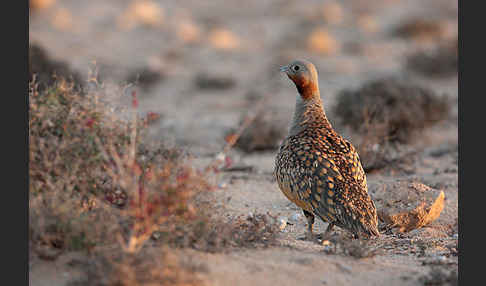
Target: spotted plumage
[(317, 169)]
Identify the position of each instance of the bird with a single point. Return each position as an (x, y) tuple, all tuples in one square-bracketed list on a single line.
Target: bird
[(317, 169)]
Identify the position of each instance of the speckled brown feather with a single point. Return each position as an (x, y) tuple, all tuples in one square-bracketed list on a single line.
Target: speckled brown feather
[(321, 172)]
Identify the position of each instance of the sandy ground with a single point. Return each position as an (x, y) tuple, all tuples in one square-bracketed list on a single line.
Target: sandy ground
[(265, 34)]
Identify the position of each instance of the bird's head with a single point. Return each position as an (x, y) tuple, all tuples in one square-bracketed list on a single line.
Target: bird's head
[(304, 74)]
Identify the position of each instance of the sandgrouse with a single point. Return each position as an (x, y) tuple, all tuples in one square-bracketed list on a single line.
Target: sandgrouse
[(319, 170)]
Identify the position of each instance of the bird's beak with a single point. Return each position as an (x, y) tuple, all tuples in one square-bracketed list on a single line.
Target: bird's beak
[(284, 69)]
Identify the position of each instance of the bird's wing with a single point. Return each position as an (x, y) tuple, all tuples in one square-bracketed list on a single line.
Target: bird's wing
[(312, 180), (348, 161)]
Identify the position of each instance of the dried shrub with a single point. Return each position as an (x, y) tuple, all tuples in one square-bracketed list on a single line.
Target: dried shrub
[(64, 167), (60, 222), (63, 127), (356, 248), (214, 234), (96, 185), (378, 154), (387, 114), (420, 29), (265, 132), (359, 248), (214, 82), (145, 77), (391, 109), (83, 154), (440, 62)]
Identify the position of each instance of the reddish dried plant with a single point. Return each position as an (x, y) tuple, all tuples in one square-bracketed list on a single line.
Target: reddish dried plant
[(94, 182), (83, 155)]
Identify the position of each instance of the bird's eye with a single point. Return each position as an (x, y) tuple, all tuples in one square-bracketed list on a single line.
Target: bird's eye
[(296, 68)]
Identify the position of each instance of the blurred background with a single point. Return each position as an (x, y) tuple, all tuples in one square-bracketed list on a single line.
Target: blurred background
[(203, 70), (203, 65)]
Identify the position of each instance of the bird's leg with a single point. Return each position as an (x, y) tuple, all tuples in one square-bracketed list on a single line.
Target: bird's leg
[(310, 224)]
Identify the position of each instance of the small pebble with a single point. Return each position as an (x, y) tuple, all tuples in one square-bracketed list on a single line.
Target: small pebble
[(375, 147), (155, 235), (326, 242), (328, 248), (223, 185), (441, 259), (282, 222), (220, 156)]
